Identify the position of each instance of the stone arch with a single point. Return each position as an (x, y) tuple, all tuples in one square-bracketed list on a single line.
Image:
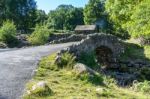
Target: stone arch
[(98, 40), (104, 55)]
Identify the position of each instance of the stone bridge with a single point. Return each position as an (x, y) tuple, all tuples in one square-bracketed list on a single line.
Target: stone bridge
[(106, 47)]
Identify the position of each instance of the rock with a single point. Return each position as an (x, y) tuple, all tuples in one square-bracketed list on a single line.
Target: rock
[(41, 89), (124, 79), (81, 68), (41, 84), (3, 45), (99, 89), (22, 40), (88, 90), (58, 59)]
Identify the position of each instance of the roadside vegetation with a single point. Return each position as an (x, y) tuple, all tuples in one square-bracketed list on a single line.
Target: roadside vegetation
[(8, 34), (65, 83), (39, 36)]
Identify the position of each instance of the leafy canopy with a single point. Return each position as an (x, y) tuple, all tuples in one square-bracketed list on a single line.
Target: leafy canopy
[(93, 11), (65, 17)]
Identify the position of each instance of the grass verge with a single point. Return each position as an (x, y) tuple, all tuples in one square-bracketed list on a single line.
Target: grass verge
[(65, 84)]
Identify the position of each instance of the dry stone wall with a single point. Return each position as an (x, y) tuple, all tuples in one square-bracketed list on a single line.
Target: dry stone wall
[(71, 38), (93, 41)]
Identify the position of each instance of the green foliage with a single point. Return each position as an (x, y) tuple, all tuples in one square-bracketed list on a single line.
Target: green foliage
[(8, 34), (94, 79), (65, 17), (93, 11), (142, 86), (133, 51), (41, 17), (88, 59), (139, 26), (119, 13), (130, 17), (22, 12), (67, 61), (39, 36)]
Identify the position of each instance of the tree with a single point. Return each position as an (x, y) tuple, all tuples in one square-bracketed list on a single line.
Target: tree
[(41, 17), (139, 25), (120, 12), (73, 17), (65, 17), (20, 11), (93, 11)]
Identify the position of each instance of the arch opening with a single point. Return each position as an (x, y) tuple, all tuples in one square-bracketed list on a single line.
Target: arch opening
[(104, 55)]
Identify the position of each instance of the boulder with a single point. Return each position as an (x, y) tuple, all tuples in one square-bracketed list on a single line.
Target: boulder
[(3, 45), (40, 89), (81, 68)]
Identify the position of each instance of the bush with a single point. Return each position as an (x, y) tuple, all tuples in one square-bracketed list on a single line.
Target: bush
[(8, 34), (67, 61), (39, 36)]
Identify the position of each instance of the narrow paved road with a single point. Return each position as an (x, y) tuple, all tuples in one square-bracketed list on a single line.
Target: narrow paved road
[(17, 66)]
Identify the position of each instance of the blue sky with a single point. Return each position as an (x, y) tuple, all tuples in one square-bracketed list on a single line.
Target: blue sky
[(52, 4)]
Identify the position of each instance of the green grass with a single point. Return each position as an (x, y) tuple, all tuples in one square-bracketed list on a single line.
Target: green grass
[(66, 84), (134, 52)]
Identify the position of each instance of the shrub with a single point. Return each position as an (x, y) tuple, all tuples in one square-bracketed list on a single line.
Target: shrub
[(8, 33), (67, 60), (39, 36)]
